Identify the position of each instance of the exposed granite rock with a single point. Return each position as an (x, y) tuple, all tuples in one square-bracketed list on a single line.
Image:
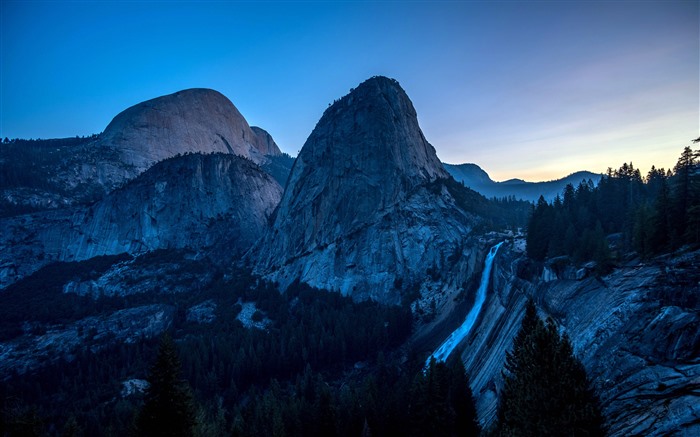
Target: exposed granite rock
[(59, 173), (83, 170), (159, 272), (193, 201), (30, 351), (189, 121), (205, 202), (132, 387), (267, 144), (356, 215), (246, 316), (637, 331), (204, 312)]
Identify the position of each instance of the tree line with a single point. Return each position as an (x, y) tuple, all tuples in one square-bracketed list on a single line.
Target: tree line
[(546, 392), (625, 212), (325, 366)]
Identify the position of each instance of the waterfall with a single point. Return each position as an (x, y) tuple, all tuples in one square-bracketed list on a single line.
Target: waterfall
[(460, 333)]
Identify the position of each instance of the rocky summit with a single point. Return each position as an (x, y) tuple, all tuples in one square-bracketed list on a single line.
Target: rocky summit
[(357, 215), (51, 174), (193, 120)]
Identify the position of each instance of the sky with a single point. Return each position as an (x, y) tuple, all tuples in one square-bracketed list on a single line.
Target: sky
[(532, 90)]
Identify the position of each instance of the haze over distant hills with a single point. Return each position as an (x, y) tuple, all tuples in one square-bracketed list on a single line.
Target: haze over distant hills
[(478, 180)]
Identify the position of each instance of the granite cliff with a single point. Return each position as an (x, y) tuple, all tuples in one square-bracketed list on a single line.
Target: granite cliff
[(635, 330), (190, 121), (53, 174), (204, 202), (357, 214)]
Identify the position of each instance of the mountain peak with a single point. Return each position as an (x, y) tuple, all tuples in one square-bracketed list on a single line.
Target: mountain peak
[(367, 146), (375, 127), (364, 167), (196, 120)]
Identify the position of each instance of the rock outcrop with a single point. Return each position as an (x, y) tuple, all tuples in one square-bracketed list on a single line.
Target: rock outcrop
[(194, 201), (203, 202), (636, 331), (68, 172), (357, 214), (190, 121), (267, 144), (28, 351)]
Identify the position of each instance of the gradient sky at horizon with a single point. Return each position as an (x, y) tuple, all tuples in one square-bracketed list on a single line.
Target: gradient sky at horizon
[(533, 90)]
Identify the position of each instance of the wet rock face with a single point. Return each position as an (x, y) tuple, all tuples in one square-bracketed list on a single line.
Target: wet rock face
[(189, 121), (195, 201), (636, 330), (356, 214)]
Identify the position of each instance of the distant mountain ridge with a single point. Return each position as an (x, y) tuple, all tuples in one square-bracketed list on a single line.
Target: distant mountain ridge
[(478, 180)]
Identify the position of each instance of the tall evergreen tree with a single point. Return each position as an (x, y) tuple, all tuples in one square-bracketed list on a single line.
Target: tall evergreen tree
[(169, 408), (539, 226), (685, 173), (546, 391), (442, 403), (462, 399)]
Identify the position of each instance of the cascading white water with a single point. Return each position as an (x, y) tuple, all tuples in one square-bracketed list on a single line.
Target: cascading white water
[(460, 333)]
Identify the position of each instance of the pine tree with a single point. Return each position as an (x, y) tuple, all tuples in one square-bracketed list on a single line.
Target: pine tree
[(442, 403), (168, 409), (538, 234), (682, 189), (546, 391), (462, 399)]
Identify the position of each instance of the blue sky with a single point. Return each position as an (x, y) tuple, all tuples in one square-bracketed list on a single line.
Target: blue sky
[(534, 90)]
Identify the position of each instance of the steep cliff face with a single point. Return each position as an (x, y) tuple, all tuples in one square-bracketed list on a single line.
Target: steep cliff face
[(203, 202), (357, 214), (636, 331), (194, 201), (267, 144), (193, 120)]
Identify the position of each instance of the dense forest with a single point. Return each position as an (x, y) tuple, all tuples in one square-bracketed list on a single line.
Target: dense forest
[(625, 212), (321, 365), (225, 362), (30, 159)]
